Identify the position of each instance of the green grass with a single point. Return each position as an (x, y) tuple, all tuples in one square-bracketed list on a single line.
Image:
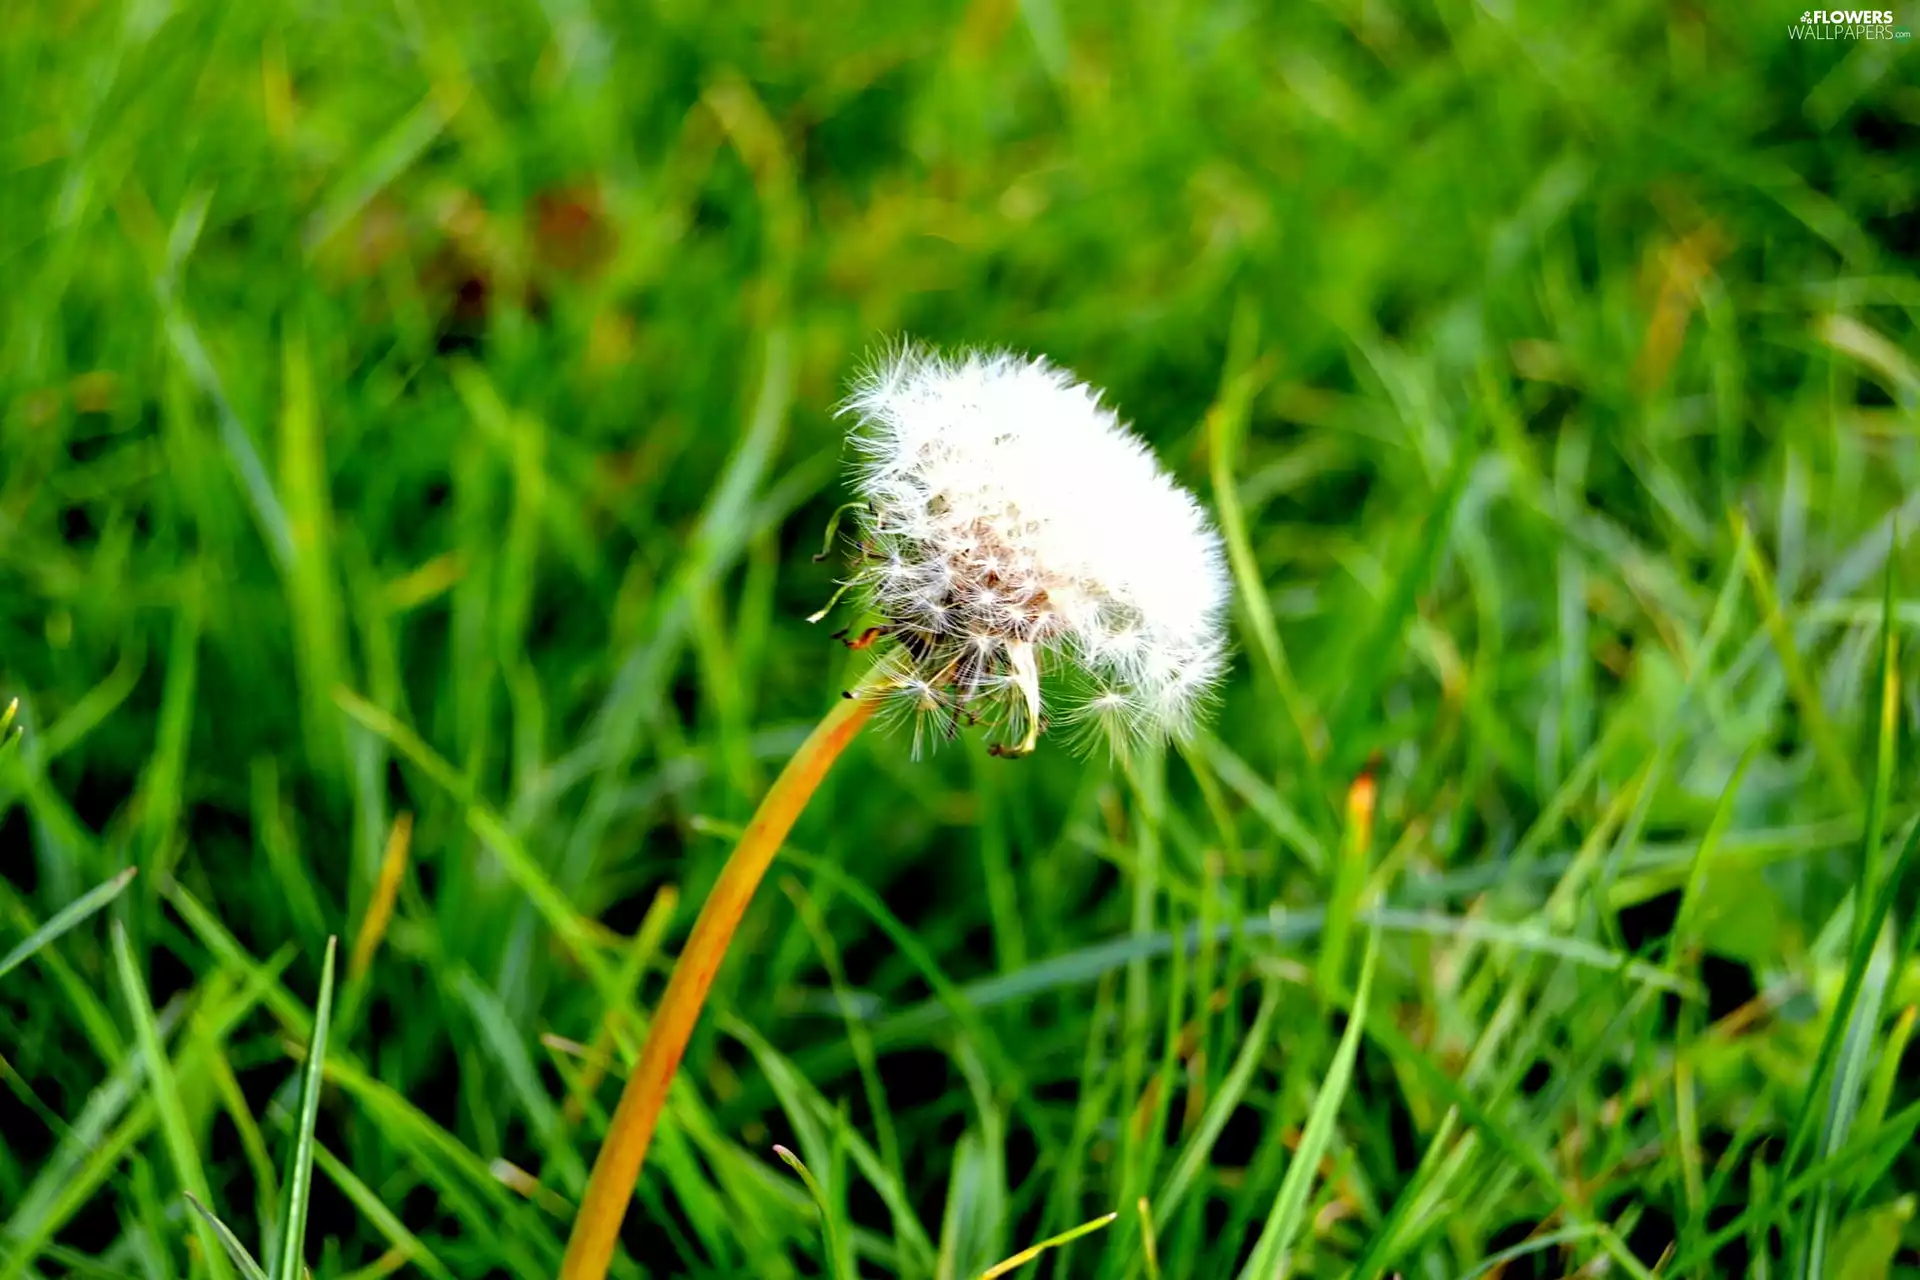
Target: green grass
[(425, 409)]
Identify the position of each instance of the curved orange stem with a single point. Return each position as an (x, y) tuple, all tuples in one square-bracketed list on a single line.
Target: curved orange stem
[(617, 1168)]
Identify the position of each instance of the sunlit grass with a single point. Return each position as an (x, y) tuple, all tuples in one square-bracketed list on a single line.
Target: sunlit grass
[(415, 433)]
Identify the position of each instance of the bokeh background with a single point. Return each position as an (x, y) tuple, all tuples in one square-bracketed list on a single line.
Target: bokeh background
[(416, 427)]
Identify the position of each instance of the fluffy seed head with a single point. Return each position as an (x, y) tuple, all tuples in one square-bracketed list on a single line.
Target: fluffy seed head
[(1011, 521)]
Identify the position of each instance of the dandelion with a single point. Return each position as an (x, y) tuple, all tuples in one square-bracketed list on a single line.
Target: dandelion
[(1013, 526), (1011, 530)]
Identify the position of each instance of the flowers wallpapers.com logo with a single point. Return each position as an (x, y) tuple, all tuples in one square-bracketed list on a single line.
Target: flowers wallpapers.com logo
[(1847, 24)]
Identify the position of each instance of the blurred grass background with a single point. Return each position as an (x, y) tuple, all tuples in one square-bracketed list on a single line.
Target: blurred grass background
[(415, 427)]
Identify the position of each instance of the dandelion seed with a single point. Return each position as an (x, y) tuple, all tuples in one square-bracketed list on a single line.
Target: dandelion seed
[(1108, 721), (1013, 526)]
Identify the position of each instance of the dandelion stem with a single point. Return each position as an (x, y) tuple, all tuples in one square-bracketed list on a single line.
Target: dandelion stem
[(617, 1168)]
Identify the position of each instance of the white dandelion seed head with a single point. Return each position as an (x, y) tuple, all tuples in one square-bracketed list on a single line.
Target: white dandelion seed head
[(1009, 515)]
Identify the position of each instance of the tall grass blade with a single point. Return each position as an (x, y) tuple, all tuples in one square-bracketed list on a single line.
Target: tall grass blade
[(65, 919), (1290, 1205), (236, 1252), (1220, 1108), (1847, 1048), (1031, 1252), (164, 1090), (293, 1232), (829, 1220)]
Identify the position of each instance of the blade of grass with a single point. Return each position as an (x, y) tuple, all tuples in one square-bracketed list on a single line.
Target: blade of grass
[(1813, 712), (462, 1179), (1532, 938), (1226, 426), (165, 1093), (162, 782), (266, 1188), (1147, 816), (90, 711), (708, 1191), (717, 541), (820, 1128), (1886, 1072), (1031, 1252), (1094, 1087), (249, 473), (27, 1241), (236, 1251), (380, 1268), (1887, 742), (378, 914), (1369, 662), (1088, 964), (460, 1176), (1537, 1244), (502, 1041), (311, 582), (1863, 992), (383, 1218), (861, 1043), (1856, 1019), (495, 833), (273, 836), (1290, 1205), (1220, 1109), (379, 164), (1261, 797), (1685, 1106), (949, 1000), (977, 1197), (1764, 1210), (1527, 1156), (293, 1233), (66, 918), (1349, 878), (70, 1174), (634, 963), (1694, 889), (829, 1220)]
